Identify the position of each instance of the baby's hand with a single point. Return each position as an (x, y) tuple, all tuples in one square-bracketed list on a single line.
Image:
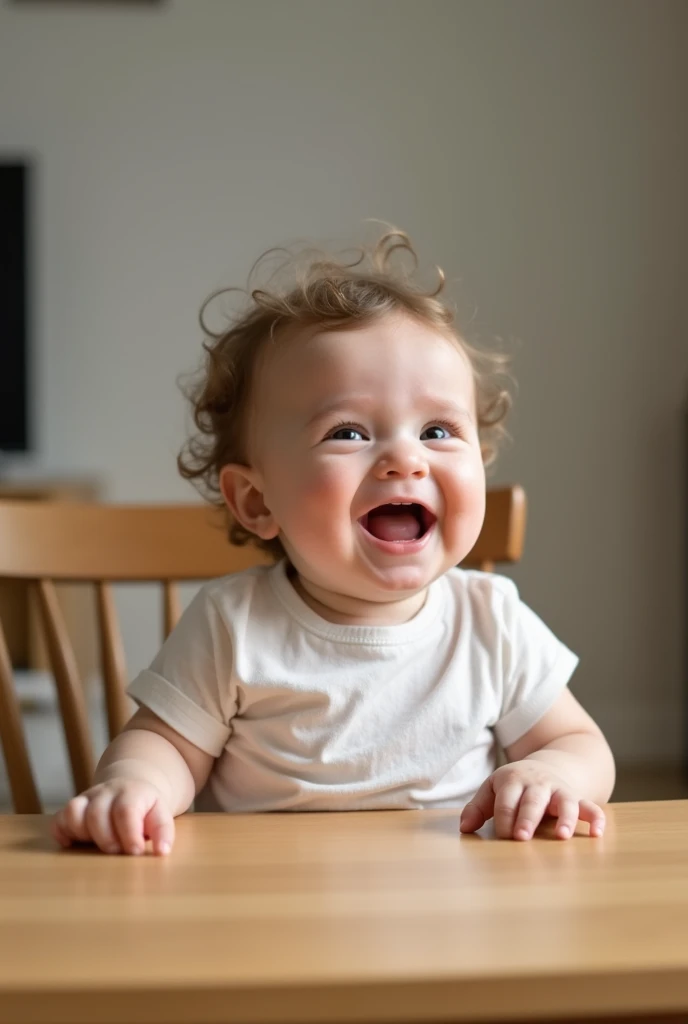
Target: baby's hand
[(118, 816), (520, 794)]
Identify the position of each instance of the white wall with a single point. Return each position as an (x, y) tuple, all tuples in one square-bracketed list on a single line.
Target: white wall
[(535, 148)]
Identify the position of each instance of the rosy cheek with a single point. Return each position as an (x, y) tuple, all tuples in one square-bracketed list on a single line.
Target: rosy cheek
[(300, 501), (470, 466), (326, 482), (465, 476)]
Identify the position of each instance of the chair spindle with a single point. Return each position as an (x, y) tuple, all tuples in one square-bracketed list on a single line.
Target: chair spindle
[(69, 690), (113, 660)]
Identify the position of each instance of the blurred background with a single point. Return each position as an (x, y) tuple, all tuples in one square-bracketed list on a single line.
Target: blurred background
[(536, 149)]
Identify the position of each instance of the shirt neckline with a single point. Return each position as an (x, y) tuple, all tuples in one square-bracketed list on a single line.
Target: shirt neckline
[(402, 633)]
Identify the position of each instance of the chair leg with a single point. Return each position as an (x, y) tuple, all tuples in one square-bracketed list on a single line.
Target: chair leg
[(25, 797)]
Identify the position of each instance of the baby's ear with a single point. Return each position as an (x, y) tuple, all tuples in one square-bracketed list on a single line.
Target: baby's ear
[(241, 487)]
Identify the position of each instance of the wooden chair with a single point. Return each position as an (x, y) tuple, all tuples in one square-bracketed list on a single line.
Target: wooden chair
[(501, 538), (55, 542)]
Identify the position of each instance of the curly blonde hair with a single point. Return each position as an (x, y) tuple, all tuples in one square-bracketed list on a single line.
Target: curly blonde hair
[(328, 293)]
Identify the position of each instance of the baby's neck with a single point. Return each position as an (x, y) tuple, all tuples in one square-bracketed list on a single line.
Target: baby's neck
[(351, 611)]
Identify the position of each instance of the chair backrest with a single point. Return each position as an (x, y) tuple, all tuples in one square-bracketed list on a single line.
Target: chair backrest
[(55, 542)]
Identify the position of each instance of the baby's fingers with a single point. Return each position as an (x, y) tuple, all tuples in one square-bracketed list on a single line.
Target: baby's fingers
[(128, 816), (480, 809), (69, 824), (567, 811), (58, 833), (509, 790), (531, 810), (99, 822), (159, 827), (588, 811)]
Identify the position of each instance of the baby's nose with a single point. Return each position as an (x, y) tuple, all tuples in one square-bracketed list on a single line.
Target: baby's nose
[(402, 461)]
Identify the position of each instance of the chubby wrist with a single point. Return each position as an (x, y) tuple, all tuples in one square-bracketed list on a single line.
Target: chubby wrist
[(584, 764), (136, 770), (566, 765)]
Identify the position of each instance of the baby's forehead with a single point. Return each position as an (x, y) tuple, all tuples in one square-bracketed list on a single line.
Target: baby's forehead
[(304, 376), (317, 360)]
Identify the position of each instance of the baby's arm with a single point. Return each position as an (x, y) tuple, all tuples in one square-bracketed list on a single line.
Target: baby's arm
[(563, 767), (147, 776)]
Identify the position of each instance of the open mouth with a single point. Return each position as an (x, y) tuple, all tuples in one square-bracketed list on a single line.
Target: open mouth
[(398, 521)]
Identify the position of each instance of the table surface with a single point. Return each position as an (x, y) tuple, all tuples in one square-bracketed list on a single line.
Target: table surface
[(372, 916)]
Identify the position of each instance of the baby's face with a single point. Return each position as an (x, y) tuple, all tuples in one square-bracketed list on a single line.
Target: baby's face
[(366, 446)]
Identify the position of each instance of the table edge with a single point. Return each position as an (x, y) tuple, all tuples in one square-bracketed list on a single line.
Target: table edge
[(505, 997)]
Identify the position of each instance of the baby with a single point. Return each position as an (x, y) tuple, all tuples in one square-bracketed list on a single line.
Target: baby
[(345, 425)]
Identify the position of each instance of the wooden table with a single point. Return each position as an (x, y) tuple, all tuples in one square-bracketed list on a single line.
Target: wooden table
[(378, 916)]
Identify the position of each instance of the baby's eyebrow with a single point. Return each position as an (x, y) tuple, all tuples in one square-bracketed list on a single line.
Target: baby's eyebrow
[(341, 401), (433, 403), (442, 405)]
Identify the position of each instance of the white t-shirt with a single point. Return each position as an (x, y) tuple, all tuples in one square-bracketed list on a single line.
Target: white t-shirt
[(303, 714)]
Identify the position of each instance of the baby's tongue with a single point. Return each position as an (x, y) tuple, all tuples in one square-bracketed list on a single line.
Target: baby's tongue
[(393, 522)]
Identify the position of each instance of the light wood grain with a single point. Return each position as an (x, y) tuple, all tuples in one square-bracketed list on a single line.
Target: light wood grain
[(113, 660), (71, 699), (372, 916), (90, 541), (18, 609), (14, 748), (502, 536)]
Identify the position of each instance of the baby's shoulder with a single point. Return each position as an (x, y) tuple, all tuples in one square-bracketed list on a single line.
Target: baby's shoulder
[(481, 587), (236, 595), (482, 595), (237, 586)]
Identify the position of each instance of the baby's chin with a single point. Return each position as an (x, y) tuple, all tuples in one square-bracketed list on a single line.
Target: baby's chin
[(396, 584), (368, 584), (403, 579), (380, 584)]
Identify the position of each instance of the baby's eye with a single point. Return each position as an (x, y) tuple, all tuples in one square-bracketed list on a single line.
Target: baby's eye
[(435, 433), (346, 434)]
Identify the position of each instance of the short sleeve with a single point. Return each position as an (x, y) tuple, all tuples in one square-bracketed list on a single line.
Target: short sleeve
[(188, 684), (536, 667)]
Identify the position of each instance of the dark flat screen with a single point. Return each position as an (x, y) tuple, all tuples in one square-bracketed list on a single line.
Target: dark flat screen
[(14, 342)]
